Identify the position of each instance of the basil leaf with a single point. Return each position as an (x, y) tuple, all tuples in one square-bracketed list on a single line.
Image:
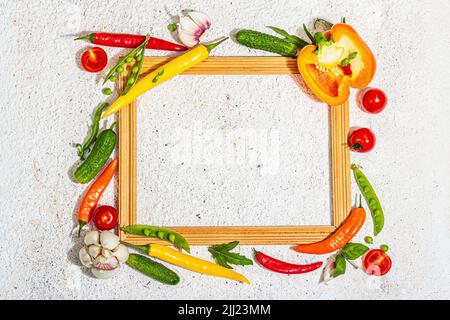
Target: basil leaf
[(340, 264), (353, 55), (353, 251), (223, 256)]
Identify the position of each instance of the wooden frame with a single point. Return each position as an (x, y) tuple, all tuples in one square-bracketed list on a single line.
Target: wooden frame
[(278, 235)]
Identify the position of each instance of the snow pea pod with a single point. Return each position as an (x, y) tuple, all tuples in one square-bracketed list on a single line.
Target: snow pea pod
[(371, 198), (157, 232)]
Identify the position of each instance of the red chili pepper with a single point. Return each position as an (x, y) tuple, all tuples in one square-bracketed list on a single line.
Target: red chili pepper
[(284, 267), (130, 41)]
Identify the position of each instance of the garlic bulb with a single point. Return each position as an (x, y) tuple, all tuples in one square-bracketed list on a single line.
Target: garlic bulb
[(192, 26), (103, 253)]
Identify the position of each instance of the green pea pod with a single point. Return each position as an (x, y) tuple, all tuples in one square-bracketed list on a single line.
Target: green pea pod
[(160, 233), (153, 269), (353, 251), (371, 198)]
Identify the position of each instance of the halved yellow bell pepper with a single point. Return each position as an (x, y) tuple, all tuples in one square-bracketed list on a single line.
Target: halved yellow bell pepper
[(340, 60)]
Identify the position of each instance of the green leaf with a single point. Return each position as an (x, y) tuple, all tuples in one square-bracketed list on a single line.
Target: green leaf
[(221, 253), (345, 62), (282, 32), (310, 36), (353, 251), (341, 265), (297, 41)]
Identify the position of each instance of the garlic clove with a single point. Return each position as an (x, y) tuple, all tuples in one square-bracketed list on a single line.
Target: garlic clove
[(104, 274), (92, 237), (85, 258), (94, 251), (121, 253), (201, 19), (106, 253), (187, 39), (109, 240), (103, 263), (188, 25)]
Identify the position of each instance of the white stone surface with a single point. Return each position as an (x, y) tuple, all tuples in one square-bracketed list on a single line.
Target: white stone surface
[(46, 105)]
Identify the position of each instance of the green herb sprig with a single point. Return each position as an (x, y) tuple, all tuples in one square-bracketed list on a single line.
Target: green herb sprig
[(221, 253)]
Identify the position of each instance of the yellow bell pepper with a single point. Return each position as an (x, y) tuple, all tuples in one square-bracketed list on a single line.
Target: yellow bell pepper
[(189, 262), (165, 72), (339, 60)]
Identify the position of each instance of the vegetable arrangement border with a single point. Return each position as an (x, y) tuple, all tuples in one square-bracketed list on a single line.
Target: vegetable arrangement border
[(248, 235)]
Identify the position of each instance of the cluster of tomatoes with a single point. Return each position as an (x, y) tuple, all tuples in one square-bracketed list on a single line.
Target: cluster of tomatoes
[(370, 100)]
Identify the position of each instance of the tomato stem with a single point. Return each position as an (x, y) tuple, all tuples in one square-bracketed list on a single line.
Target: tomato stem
[(357, 146)]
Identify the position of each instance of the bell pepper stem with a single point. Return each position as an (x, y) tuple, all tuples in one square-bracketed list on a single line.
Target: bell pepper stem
[(211, 46), (89, 37)]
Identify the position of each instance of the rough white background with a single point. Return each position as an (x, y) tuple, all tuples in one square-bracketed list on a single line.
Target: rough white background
[(46, 105)]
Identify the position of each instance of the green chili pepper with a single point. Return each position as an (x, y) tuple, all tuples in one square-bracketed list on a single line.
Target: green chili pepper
[(82, 148), (371, 198), (157, 232)]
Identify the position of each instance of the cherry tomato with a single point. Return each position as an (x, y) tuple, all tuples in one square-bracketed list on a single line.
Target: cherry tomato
[(105, 218), (361, 140), (372, 100), (377, 262), (94, 59)]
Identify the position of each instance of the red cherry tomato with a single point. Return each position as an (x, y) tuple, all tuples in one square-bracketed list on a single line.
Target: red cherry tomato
[(361, 140), (105, 218), (94, 59), (377, 262), (373, 100)]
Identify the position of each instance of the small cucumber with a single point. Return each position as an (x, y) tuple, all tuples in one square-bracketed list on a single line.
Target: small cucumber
[(153, 269), (266, 42), (103, 147)]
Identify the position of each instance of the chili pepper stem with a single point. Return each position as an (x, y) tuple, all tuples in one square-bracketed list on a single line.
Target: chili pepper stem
[(211, 46), (137, 247), (81, 225), (89, 37)]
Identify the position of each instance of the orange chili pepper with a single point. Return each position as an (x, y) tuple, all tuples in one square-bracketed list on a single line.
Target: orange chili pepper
[(94, 193), (345, 61), (349, 228)]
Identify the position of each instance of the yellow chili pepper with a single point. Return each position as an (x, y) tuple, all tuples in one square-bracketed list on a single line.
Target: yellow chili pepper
[(189, 262), (162, 74)]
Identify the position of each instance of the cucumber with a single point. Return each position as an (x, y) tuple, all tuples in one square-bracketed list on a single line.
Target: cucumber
[(103, 147), (266, 42), (153, 269)]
